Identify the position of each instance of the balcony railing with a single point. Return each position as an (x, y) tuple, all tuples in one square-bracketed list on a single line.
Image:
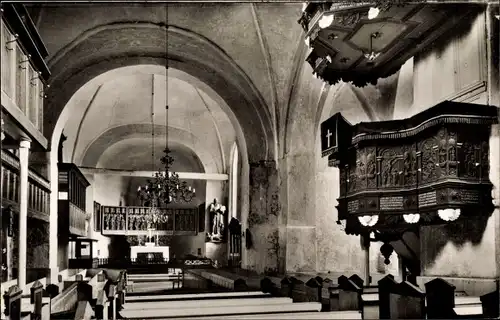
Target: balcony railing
[(133, 221), (22, 64), (77, 220), (38, 188)]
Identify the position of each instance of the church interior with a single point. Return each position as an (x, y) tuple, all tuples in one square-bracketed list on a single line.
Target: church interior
[(250, 160)]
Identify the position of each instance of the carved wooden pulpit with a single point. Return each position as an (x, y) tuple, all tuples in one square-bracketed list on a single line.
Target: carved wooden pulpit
[(431, 168)]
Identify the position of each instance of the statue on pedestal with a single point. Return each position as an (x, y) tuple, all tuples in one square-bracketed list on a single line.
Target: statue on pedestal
[(217, 215)]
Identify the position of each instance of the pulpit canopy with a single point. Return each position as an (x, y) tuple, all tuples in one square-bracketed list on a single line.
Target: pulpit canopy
[(427, 169), (360, 42)]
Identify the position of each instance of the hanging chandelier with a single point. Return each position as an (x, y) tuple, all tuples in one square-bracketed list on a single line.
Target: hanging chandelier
[(166, 186)]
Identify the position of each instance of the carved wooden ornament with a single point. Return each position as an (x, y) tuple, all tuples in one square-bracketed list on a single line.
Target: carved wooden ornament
[(360, 42), (425, 169)]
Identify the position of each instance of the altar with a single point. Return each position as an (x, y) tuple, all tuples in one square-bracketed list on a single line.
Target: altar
[(151, 251)]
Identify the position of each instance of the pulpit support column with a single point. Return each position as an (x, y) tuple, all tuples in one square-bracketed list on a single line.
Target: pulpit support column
[(366, 248)]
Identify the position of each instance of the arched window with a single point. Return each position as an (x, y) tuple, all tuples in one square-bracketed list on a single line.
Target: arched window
[(233, 182)]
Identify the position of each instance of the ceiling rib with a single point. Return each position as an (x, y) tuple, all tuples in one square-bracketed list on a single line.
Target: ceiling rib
[(77, 138), (219, 138)]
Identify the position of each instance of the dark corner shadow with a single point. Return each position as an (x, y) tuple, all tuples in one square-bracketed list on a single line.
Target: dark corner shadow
[(467, 229), (462, 29), (495, 33), (388, 88), (118, 248)]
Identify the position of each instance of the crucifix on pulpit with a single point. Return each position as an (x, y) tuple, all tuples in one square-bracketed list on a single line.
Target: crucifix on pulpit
[(328, 136)]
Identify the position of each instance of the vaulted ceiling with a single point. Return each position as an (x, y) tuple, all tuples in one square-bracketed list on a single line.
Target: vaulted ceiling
[(235, 73), (257, 49), (112, 124)]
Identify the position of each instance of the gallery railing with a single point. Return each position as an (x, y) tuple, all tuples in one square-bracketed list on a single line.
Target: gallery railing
[(136, 221), (38, 188), (77, 220)]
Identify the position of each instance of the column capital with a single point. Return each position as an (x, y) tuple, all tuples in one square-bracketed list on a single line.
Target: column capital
[(25, 143)]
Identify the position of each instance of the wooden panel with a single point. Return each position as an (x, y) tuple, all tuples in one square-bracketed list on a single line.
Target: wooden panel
[(21, 77), (6, 58)]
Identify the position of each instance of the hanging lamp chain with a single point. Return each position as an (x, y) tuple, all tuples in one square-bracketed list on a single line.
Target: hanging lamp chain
[(166, 187)]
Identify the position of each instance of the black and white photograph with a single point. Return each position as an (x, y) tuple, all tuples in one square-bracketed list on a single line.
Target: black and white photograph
[(271, 159)]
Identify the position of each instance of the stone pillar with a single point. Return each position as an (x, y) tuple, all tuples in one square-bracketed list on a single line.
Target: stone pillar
[(53, 229), (24, 149), (365, 241), (264, 219), (301, 213), (8, 263)]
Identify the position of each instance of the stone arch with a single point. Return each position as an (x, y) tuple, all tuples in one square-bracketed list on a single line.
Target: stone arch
[(133, 147), (113, 135), (106, 48), (80, 62)]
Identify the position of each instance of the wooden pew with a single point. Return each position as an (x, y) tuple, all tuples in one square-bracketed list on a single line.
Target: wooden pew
[(64, 304), (12, 299), (298, 290), (286, 287), (490, 303), (386, 285), (442, 303), (115, 288), (354, 315), (357, 280), (65, 301), (313, 290), (323, 291), (120, 290), (36, 304), (370, 303), (207, 303), (225, 280), (440, 296), (349, 294), (52, 290), (406, 301), (217, 311), (97, 283), (368, 298), (112, 297), (268, 286), (83, 311), (101, 306), (329, 295), (194, 281), (198, 296), (178, 280), (84, 295)]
